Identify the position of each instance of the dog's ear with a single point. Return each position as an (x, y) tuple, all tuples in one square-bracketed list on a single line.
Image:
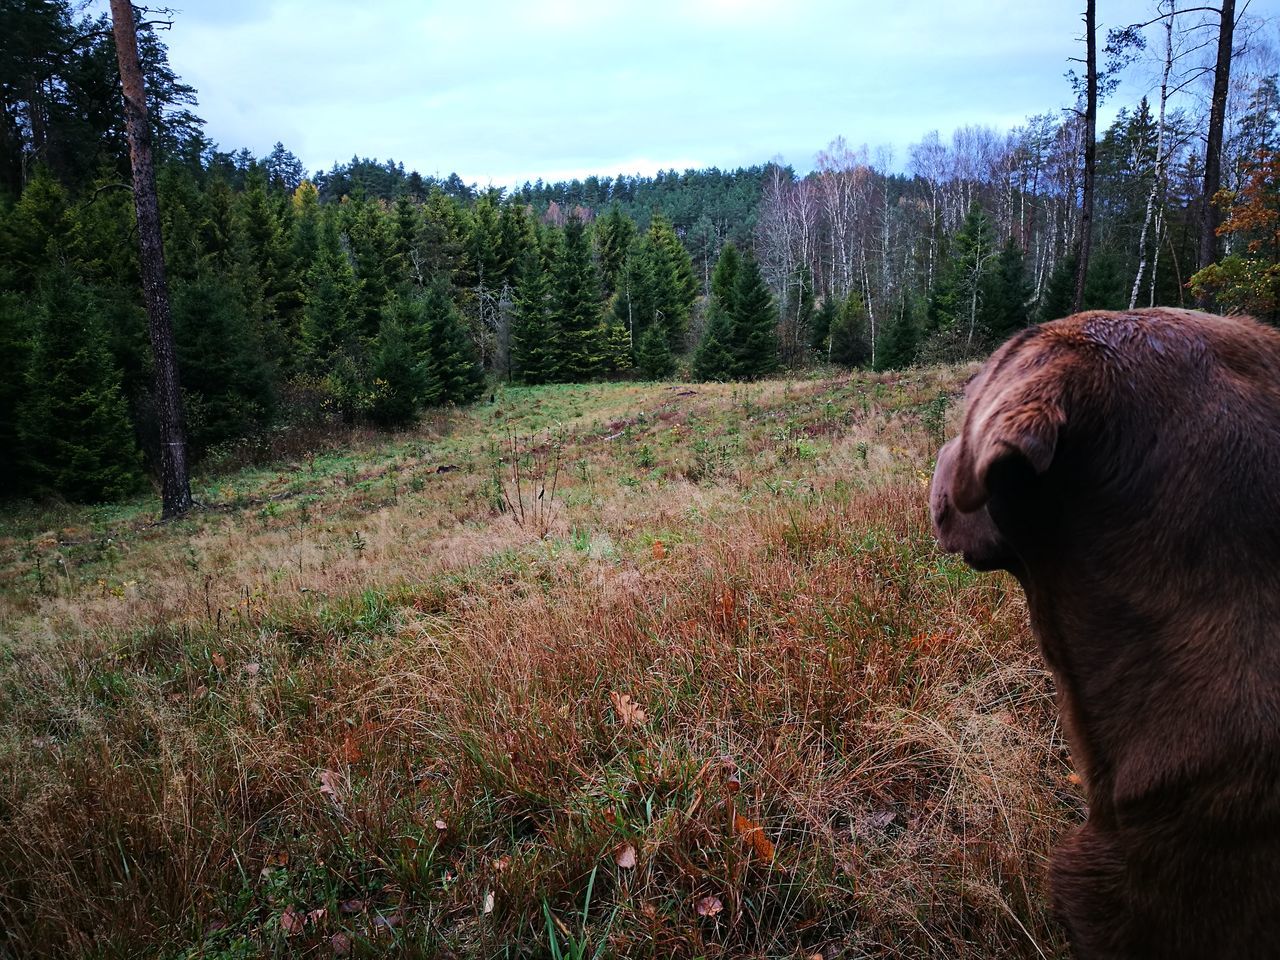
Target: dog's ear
[(1016, 429)]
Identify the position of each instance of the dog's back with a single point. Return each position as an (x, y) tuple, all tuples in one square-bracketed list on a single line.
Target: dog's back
[(1126, 467)]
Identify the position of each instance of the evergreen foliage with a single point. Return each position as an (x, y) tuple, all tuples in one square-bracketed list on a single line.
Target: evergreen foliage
[(850, 342), (226, 380), (396, 372), (755, 326), (820, 330), (449, 367), (531, 360), (899, 339), (653, 355), (74, 421), (576, 350)]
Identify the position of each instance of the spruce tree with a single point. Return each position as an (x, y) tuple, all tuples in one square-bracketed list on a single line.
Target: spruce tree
[(1005, 308), (397, 380), (714, 359), (675, 286), (575, 308), (820, 331), (330, 318), (226, 378), (531, 323), (74, 421), (449, 367), (850, 344), (899, 340), (613, 235), (16, 328), (1059, 291), (755, 325), (653, 355)]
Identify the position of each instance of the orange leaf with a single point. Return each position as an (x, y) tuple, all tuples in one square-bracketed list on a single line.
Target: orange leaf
[(753, 835), (659, 550)]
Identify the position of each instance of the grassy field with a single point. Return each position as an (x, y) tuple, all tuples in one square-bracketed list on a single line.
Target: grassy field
[(613, 670)]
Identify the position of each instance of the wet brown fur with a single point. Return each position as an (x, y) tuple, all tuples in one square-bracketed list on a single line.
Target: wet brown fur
[(1125, 467)]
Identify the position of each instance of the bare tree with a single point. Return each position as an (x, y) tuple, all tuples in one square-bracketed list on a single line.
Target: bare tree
[(175, 485), (1084, 244), (1213, 145)]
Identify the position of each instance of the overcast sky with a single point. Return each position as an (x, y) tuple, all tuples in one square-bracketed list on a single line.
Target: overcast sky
[(504, 90)]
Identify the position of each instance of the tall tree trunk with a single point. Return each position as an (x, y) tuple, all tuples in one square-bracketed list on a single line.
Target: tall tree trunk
[(1090, 150), (175, 485), (1213, 145), (1158, 176)]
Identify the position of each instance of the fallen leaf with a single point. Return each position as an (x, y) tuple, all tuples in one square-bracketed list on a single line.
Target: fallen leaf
[(659, 550), (251, 669), (441, 826), (629, 712), (753, 834), (625, 856), (331, 785), (708, 906), (488, 901), (1074, 779), (501, 864), (352, 906), (219, 661), (292, 920), (341, 944), (648, 909), (317, 915)]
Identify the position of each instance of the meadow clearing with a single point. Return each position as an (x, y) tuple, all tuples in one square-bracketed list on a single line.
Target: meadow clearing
[(610, 670)]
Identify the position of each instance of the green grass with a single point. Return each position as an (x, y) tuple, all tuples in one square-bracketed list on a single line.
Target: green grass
[(360, 702)]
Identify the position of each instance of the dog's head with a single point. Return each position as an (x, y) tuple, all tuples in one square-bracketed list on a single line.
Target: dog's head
[(1016, 409)]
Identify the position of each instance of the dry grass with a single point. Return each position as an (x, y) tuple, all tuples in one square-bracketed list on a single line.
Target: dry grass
[(355, 705)]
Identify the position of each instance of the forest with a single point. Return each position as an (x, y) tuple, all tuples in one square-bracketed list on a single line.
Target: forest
[(370, 294)]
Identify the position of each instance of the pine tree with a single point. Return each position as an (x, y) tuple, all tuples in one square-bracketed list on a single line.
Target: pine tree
[(531, 324), (226, 379), (1104, 285), (74, 420), (653, 355), (957, 299), (755, 326), (850, 345), (575, 308)]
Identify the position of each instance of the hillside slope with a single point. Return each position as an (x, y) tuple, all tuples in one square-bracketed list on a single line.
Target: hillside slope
[(633, 670)]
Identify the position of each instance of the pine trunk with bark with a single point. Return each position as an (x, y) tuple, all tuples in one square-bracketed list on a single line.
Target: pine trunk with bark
[(1085, 244), (1213, 146), (175, 484)]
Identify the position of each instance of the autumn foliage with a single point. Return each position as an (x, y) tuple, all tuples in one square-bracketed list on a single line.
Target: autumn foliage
[(731, 702), (1248, 279)]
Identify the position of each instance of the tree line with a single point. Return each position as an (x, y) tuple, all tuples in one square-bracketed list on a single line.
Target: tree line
[(372, 293)]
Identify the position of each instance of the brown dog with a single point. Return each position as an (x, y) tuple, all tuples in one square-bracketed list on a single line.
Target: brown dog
[(1125, 467)]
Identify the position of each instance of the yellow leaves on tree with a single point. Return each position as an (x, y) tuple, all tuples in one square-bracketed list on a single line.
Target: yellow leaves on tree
[(1249, 282)]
